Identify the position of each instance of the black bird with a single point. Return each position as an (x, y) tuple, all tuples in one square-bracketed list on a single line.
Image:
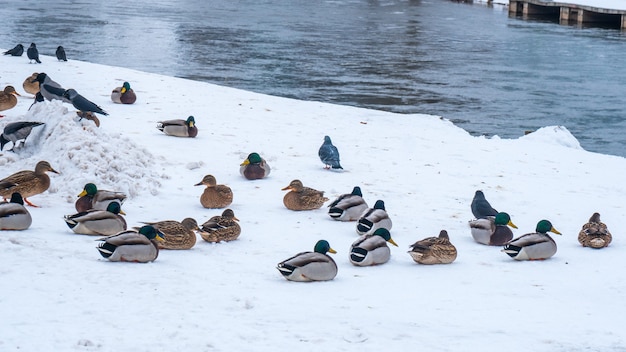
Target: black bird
[(61, 54), (481, 207), (47, 88), (18, 50), (17, 131), (81, 103), (329, 154), (33, 53), (38, 99)]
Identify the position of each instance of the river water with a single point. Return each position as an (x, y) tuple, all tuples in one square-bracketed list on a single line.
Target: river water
[(489, 73)]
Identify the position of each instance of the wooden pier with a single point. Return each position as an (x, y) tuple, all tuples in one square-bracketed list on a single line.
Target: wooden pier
[(566, 13)]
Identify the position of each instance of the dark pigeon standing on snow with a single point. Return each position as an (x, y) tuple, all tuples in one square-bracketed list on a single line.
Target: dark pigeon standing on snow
[(329, 155), (61, 54), (18, 50), (33, 53), (17, 131), (81, 103), (481, 207)]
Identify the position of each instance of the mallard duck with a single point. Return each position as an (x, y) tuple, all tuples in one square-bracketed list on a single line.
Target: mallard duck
[(93, 198), (481, 207), (492, 231), (434, 250), (8, 98), (371, 249), (16, 131), (302, 198), (310, 266), (178, 235), (329, 155), (214, 195), (29, 183), (30, 85), (132, 246), (179, 127), (373, 219), (595, 234), (123, 94), (13, 215), (17, 50), (221, 228), (348, 207), (254, 167), (98, 222), (533, 246)]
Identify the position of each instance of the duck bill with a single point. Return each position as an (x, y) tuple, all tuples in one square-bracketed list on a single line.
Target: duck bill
[(160, 236), (82, 194), (330, 250), (122, 212), (553, 230), (286, 188), (55, 171), (512, 224), (393, 242), (245, 162)]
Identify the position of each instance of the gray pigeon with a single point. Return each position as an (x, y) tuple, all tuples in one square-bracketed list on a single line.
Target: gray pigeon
[(18, 50), (33, 53), (61, 54), (17, 131), (81, 103), (50, 89), (329, 155), (481, 207)]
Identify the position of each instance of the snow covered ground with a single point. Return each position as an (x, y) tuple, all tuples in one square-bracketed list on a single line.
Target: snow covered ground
[(59, 294)]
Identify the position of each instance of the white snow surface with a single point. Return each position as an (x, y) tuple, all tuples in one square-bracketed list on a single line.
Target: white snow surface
[(59, 294)]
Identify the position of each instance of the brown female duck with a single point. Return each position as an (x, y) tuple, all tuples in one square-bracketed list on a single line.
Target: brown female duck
[(594, 233), (434, 250), (178, 235), (214, 195), (302, 198), (29, 183)]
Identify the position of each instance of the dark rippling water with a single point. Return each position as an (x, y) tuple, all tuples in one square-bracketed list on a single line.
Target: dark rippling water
[(473, 64)]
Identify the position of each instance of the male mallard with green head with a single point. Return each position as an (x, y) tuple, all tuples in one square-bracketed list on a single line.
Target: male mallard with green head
[(533, 246), (492, 231), (132, 246), (93, 198), (13, 214), (179, 127), (98, 222), (310, 266), (373, 219), (348, 207), (372, 249), (123, 94), (254, 167)]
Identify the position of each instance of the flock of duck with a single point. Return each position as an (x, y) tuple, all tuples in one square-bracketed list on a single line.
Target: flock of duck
[(99, 212)]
